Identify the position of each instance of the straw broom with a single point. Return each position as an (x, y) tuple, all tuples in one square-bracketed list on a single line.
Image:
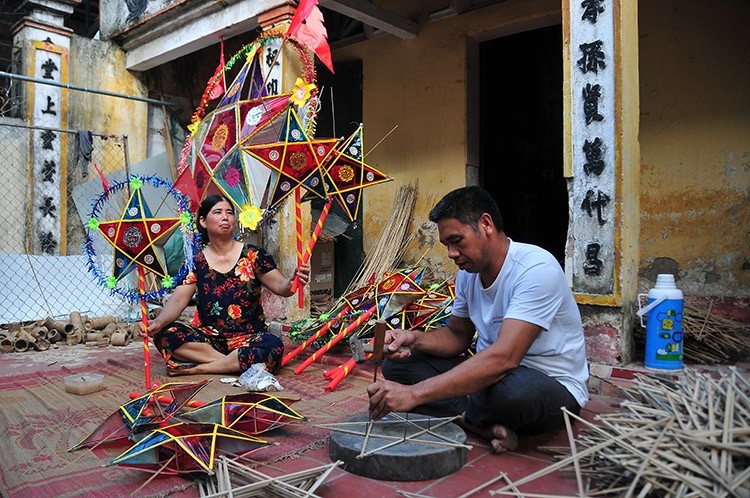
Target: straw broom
[(390, 248)]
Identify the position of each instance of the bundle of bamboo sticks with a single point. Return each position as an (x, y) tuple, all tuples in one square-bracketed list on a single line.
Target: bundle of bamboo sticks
[(681, 437), (232, 479), (710, 338)]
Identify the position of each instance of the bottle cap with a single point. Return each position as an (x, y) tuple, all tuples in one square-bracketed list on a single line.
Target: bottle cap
[(665, 281)]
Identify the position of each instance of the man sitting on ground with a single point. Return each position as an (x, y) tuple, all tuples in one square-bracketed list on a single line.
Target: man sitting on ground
[(530, 355)]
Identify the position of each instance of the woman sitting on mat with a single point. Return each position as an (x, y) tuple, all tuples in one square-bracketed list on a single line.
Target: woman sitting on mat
[(231, 334)]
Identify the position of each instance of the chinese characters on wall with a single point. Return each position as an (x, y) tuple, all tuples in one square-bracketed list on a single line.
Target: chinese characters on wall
[(272, 64), (48, 145), (593, 142)]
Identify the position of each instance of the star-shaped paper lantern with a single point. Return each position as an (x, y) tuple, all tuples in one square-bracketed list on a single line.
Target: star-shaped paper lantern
[(346, 174), (220, 136), (252, 412), (295, 160), (418, 312), (220, 166), (143, 413), (185, 448), (137, 235), (396, 290)]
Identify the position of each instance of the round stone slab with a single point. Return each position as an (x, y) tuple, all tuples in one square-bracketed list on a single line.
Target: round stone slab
[(400, 447)]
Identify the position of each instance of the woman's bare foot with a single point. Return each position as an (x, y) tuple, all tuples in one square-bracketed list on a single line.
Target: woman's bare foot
[(500, 437), (174, 372), (228, 364), (176, 367)]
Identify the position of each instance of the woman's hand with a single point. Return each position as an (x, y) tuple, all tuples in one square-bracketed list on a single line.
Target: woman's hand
[(153, 328), (302, 273), (280, 285)]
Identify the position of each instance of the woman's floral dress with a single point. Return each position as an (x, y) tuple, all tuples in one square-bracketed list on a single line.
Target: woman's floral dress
[(229, 313)]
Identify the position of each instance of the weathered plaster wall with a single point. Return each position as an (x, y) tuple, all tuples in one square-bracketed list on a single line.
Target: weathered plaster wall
[(420, 86), (14, 201), (119, 16), (101, 65), (695, 145)]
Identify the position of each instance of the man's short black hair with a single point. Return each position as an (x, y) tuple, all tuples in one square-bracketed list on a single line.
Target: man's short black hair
[(467, 204)]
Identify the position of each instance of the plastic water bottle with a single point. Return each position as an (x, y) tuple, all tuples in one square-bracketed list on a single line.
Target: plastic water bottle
[(663, 324)]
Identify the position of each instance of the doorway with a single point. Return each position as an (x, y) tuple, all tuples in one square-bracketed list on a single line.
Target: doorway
[(339, 116), (520, 148)]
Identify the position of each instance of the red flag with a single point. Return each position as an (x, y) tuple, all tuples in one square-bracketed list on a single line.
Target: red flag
[(313, 34), (303, 10), (185, 184), (105, 182), (218, 84)]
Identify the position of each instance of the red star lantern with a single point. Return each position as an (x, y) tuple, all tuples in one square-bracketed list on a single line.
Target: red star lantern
[(220, 165), (347, 174), (136, 236), (295, 160), (396, 290)]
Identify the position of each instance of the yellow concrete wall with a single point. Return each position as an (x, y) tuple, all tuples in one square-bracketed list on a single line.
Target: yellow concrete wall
[(419, 85), (101, 65), (695, 143)]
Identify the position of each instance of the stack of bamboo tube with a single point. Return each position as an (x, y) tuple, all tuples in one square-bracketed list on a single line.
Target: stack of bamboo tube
[(78, 329)]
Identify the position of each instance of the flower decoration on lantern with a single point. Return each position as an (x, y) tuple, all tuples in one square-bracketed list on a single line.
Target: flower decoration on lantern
[(302, 92), (250, 216)]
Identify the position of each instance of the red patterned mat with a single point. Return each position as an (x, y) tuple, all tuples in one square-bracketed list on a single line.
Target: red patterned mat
[(39, 422)]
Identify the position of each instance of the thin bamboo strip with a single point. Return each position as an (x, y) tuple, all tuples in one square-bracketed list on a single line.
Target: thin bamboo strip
[(642, 467), (477, 489), (742, 479), (716, 445), (576, 463), (726, 436), (735, 431)]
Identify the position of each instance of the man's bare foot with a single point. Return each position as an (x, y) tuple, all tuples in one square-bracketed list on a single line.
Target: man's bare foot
[(503, 439), (500, 437)]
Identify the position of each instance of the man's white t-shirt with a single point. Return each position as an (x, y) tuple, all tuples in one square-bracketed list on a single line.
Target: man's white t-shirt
[(531, 286)]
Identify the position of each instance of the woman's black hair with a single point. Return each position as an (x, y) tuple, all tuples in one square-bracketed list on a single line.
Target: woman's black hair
[(206, 206)]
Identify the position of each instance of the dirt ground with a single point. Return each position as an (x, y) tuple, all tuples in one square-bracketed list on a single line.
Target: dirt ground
[(58, 356)]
